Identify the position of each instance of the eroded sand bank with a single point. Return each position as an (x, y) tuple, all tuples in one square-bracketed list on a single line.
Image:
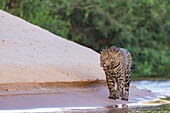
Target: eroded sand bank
[(29, 53)]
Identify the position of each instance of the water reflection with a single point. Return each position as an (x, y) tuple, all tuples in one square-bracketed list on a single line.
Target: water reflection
[(121, 108)]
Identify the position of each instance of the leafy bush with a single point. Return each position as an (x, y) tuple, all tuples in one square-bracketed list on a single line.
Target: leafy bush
[(141, 26)]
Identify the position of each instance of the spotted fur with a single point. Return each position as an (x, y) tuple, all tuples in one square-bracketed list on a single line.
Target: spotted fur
[(116, 63)]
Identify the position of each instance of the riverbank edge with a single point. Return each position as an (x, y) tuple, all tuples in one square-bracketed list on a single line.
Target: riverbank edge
[(137, 78), (49, 85)]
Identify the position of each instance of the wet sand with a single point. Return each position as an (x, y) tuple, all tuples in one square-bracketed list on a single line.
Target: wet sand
[(65, 96)]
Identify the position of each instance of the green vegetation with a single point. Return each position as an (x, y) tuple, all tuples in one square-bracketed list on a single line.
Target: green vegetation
[(141, 26), (165, 108)]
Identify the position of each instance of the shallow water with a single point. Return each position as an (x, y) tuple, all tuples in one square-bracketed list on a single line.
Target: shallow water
[(161, 88)]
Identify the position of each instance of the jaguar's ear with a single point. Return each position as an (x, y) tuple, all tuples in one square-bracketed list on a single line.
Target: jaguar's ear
[(102, 50), (113, 48)]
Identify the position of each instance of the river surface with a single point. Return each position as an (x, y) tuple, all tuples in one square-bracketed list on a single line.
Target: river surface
[(162, 88)]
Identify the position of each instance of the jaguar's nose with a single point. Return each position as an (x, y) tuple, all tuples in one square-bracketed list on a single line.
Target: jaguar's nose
[(106, 67)]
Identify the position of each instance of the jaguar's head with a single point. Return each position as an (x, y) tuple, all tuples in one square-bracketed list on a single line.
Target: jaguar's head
[(106, 60)]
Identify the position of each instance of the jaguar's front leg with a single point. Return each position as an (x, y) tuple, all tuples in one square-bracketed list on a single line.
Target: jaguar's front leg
[(111, 87)]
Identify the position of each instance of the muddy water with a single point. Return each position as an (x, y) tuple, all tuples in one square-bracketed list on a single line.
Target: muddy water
[(75, 100)]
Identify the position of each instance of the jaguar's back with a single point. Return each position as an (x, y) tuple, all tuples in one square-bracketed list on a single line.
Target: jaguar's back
[(127, 60)]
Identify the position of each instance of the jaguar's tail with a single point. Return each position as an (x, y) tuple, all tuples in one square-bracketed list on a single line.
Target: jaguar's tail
[(133, 67)]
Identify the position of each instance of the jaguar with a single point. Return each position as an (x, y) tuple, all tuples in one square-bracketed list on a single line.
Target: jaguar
[(117, 65)]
